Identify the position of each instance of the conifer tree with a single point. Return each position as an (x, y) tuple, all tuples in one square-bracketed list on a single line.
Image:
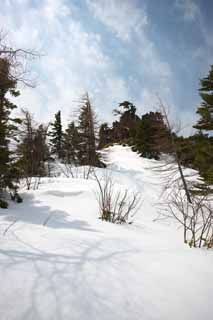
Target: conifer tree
[(8, 173), (125, 128), (25, 148), (151, 135), (71, 144), (86, 129), (104, 135), (204, 158), (205, 111), (12, 71), (42, 152), (56, 136), (32, 150)]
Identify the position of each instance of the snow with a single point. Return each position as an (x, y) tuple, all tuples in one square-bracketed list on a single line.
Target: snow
[(78, 267)]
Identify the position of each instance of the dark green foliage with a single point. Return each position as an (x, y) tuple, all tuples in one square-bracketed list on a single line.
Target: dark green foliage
[(143, 140), (152, 136), (41, 150), (197, 152), (128, 108), (125, 128), (18, 199), (203, 156), (71, 144), (134, 149), (104, 135), (8, 127), (3, 204), (118, 132), (205, 111), (56, 136), (128, 117), (148, 135), (32, 149), (203, 159), (86, 128)]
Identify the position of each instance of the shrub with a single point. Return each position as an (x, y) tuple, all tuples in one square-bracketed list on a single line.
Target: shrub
[(115, 206), (19, 199), (3, 204)]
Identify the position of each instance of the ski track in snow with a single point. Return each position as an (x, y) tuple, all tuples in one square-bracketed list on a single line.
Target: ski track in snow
[(78, 267)]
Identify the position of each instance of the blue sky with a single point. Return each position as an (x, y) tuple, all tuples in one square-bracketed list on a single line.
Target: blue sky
[(114, 49)]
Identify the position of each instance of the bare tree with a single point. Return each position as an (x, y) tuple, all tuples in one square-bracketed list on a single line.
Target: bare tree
[(20, 61), (176, 158), (196, 216), (179, 200)]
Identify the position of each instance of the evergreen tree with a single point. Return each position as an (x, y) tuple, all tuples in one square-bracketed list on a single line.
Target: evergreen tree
[(125, 128), (8, 125), (144, 139), (127, 108), (206, 109), (56, 136), (86, 129), (71, 144), (25, 148), (32, 150), (204, 158), (151, 136), (104, 135), (41, 149)]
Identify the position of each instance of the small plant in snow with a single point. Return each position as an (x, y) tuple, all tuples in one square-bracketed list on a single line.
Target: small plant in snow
[(116, 206), (195, 217)]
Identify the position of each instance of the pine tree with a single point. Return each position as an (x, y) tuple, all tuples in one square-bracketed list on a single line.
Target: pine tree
[(32, 150), (71, 144), (104, 135), (56, 136), (151, 136), (8, 172), (206, 109), (125, 128), (25, 148), (204, 158), (86, 129), (42, 153)]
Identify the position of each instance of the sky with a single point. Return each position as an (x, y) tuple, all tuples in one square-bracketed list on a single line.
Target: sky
[(115, 50)]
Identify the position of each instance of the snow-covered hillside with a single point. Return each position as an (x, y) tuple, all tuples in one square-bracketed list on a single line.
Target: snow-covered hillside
[(78, 267)]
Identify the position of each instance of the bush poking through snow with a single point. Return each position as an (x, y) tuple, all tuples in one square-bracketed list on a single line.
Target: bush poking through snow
[(70, 170), (116, 206), (3, 204), (195, 217)]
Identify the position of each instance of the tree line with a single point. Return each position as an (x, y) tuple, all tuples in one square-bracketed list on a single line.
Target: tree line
[(151, 136), (27, 148)]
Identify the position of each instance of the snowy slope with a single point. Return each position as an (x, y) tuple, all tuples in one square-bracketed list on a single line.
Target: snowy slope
[(78, 267)]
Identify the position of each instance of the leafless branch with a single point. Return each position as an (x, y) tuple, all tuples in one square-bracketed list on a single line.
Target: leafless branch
[(115, 206)]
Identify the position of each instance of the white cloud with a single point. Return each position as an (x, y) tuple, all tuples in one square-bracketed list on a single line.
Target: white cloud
[(75, 59), (73, 62), (192, 13), (152, 64), (121, 16), (189, 8), (129, 23), (54, 9)]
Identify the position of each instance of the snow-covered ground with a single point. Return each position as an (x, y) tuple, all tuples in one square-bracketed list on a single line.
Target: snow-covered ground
[(78, 267)]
